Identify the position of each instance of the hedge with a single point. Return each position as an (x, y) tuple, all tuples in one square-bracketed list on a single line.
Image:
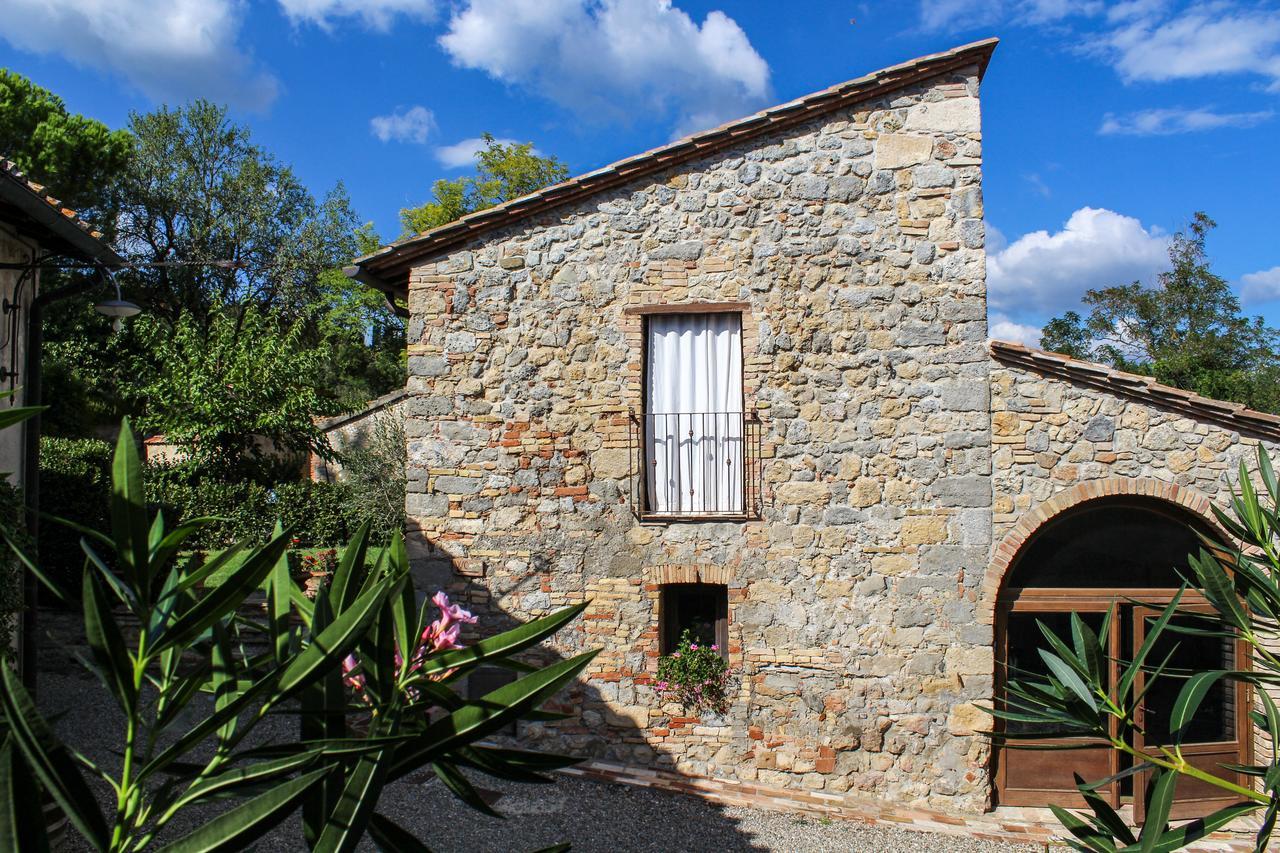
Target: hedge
[(75, 484)]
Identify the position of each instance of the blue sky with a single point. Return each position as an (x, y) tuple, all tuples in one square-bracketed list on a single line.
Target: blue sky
[(1106, 124)]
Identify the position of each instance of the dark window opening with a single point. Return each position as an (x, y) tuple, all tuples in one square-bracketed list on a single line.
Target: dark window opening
[(1108, 545), (486, 679), (702, 609)]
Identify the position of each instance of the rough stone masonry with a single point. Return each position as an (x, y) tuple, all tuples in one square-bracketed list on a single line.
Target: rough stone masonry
[(855, 241)]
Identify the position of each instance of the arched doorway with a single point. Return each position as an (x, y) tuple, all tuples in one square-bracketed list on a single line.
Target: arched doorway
[(1093, 556)]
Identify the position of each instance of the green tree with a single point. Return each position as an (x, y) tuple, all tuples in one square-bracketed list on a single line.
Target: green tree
[(216, 391), (78, 159), (1187, 331), (503, 171), (222, 222)]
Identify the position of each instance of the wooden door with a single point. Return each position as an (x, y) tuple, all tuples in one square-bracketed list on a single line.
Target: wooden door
[(1219, 733), (1034, 777)]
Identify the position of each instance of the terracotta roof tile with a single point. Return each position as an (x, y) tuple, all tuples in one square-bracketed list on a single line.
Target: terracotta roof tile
[(393, 261), (11, 169), (1142, 388)]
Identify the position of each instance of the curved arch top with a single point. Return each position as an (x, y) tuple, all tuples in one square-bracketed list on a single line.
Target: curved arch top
[(1036, 517)]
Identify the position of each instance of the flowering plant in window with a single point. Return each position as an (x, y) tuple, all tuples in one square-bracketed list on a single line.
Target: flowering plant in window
[(696, 676), (440, 636)]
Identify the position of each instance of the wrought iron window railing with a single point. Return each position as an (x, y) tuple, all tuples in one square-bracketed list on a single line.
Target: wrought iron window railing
[(696, 465)]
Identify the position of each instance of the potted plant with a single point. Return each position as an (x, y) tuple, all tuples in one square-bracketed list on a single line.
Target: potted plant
[(696, 676)]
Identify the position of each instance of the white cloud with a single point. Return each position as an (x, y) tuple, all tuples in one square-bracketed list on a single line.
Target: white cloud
[(415, 124), (609, 59), (1202, 40), (1149, 40), (1047, 273), (463, 152), (1165, 122), (167, 49), (374, 14), (1261, 286), (1002, 328)]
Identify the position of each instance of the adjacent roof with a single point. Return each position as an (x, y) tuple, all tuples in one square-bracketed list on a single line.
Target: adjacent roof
[(374, 405), (25, 205), (387, 269), (1141, 388)]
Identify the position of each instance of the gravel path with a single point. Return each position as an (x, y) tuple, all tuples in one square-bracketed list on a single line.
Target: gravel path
[(592, 816)]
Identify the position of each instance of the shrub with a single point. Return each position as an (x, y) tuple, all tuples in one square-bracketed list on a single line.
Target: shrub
[(374, 473), (315, 513), (75, 484), (696, 676), (13, 522)]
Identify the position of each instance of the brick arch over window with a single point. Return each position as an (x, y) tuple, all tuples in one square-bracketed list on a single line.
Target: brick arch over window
[(1036, 517)]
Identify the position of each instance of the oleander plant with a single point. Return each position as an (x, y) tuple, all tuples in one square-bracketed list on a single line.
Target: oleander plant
[(371, 678)]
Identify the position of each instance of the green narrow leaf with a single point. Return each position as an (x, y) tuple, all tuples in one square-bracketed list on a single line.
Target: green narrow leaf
[(20, 832), (1065, 674), (106, 641), (346, 823), (1153, 634), (1091, 837), (336, 640), (348, 578), (462, 788), (506, 643), (1189, 699), (279, 583), (1105, 816), (50, 761), (493, 711), (223, 599), (234, 829), (241, 777), (1159, 802), (129, 525), (391, 838)]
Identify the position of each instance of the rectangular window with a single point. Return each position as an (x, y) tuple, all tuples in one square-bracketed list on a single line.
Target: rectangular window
[(702, 609), (694, 423)]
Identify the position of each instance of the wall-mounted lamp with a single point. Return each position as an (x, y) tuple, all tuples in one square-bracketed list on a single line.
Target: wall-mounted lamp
[(117, 308)]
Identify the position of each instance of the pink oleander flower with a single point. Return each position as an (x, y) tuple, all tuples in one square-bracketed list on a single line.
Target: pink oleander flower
[(715, 648), (693, 648)]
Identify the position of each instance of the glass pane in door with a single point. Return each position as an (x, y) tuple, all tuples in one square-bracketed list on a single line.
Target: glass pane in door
[(1024, 641), (1215, 720)]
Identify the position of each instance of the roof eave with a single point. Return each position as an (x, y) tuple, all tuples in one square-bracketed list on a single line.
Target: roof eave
[(70, 237)]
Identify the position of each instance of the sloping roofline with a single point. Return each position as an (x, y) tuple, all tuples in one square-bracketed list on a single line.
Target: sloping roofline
[(56, 227), (388, 268), (1141, 388)]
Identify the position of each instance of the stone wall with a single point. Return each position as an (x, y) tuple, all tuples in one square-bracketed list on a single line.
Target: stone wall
[(350, 431), (856, 244)]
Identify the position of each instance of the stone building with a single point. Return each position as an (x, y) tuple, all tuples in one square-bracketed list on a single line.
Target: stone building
[(742, 383)]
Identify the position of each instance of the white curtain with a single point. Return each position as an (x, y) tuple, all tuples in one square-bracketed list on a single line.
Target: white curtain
[(693, 415)]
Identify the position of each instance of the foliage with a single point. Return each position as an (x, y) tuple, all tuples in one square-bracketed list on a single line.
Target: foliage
[(374, 473), (503, 171), (1241, 582), (220, 228), (75, 484), (1187, 331), (13, 523), (315, 512), (78, 159), (696, 676), (216, 391), (191, 643)]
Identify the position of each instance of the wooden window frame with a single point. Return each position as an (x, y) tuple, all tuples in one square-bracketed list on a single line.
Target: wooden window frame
[(668, 615)]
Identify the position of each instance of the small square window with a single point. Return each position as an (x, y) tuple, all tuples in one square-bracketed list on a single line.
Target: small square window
[(486, 679), (702, 609)]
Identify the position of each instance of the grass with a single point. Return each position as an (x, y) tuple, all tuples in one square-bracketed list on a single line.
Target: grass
[(191, 559)]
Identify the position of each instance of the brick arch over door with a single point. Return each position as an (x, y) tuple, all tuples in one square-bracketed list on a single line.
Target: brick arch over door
[(1037, 516)]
